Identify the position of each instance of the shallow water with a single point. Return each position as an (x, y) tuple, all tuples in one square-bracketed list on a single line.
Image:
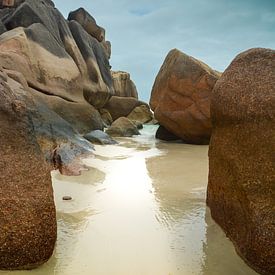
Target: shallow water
[(139, 210)]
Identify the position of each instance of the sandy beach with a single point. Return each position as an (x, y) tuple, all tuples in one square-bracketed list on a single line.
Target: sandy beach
[(140, 209)]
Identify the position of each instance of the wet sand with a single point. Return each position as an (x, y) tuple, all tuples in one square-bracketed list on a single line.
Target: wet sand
[(139, 210)]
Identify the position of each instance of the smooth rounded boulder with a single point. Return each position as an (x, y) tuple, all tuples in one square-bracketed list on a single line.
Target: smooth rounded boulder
[(181, 97), (99, 137), (141, 114), (123, 127), (241, 192), (122, 106)]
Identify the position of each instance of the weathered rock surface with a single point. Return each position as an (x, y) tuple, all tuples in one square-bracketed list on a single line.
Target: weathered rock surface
[(100, 86), (99, 137), (181, 96), (52, 73), (46, 53), (27, 215), (2, 27), (123, 85), (241, 190), (142, 114), (122, 106), (106, 117), (88, 23), (123, 127), (82, 116)]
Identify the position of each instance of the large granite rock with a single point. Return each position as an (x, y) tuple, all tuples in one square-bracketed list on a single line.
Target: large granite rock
[(181, 96), (99, 137), (27, 216), (50, 70), (47, 54), (60, 143), (88, 23), (123, 85), (100, 86), (241, 192), (122, 106), (123, 127), (141, 114), (82, 116)]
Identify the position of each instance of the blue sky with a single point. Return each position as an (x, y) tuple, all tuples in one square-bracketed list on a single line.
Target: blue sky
[(142, 32)]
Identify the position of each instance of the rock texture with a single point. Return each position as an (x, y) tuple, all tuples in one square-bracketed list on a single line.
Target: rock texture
[(123, 127), (88, 23), (123, 85), (82, 116), (141, 114), (122, 106), (56, 57), (27, 215), (181, 96), (99, 137), (241, 190)]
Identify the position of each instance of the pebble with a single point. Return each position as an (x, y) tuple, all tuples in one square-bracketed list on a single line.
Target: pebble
[(67, 198)]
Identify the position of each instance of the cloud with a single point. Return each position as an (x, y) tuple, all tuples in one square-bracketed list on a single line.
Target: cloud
[(143, 31)]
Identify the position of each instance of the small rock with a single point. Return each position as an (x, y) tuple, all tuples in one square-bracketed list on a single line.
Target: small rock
[(67, 198)]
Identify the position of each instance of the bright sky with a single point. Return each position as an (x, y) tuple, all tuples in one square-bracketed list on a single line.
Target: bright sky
[(142, 32)]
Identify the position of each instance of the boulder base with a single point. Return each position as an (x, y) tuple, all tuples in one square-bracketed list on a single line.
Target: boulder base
[(241, 157)]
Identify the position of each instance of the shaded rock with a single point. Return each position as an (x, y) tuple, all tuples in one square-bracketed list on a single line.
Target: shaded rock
[(100, 87), (99, 137), (18, 77), (153, 122), (60, 143), (27, 217), (55, 74), (123, 85), (88, 23), (82, 116), (138, 124), (49, 41), (181, 95), (122, 106), (163, 134), (241, 157), (2, 27), (123, 127), (142, 114), (108, 48), (106, 117)]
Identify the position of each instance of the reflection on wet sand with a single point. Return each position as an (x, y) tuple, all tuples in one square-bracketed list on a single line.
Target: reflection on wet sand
[(139, 210)]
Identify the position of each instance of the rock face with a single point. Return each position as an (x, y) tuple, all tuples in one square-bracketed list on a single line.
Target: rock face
[(82, 116), (99, 137), (99, 88), (56, 57), (88, 23), (123, 85), (181, 95), (123, 127), (27, 216), (242, 175), (141, 114), (122, 106)]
